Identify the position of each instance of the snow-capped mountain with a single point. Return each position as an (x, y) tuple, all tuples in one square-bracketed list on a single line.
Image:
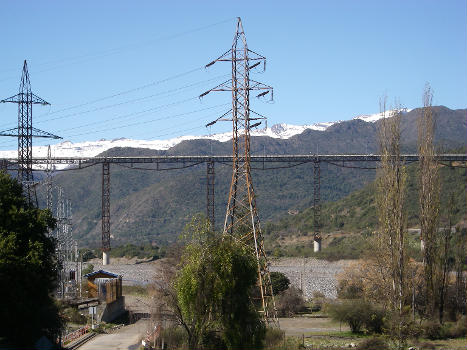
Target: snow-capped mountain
[(371, 118), (93, 148)]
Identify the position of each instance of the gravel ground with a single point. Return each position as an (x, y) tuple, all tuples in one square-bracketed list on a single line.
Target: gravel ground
[(132, 273), (311, 274)]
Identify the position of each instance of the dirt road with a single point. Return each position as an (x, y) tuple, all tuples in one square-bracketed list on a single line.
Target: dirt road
[(125, 338)]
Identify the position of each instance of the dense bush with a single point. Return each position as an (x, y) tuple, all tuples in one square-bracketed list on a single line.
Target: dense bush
[(349, 288), (87, 254), (88, 269), (274, 337), (373, 344), (375, 319), (350, 247), (290, 302), (141, 252), (434, 330), (359, 315), (174, 337), (73, 315), (318, 301), (279, 282), (460, 328)]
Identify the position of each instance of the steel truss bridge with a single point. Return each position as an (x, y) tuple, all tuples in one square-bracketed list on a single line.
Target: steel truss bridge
[(259, 162), (182, 161)]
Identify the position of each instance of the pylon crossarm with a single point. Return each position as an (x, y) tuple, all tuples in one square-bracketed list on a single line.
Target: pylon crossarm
[(35, 133), (255, 56), (221, 58), (44, 134), (30, 98), (225, 86), (10, 132), (259, 86)]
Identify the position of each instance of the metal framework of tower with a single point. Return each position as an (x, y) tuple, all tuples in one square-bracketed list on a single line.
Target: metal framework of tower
[(242, 220), (25, 132), (316, 201), (48, 178), (105, 207), (210, 187), (66, 251)]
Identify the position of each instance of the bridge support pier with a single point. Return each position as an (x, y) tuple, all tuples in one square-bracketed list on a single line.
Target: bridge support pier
[(105, 258), (105, 213), (210, 182), (316, 206)]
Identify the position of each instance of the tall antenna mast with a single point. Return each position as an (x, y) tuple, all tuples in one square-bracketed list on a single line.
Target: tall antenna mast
[(241, 219)]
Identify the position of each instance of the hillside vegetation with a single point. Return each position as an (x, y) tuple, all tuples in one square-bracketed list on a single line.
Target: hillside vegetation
[(149, 206), (346, 222)]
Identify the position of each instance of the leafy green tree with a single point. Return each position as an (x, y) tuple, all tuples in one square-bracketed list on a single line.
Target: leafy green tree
[(279, 281), (213, 289), (28, 270)]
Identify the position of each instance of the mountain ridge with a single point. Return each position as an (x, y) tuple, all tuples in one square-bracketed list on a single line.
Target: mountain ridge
[(152, 206), (93, 148)]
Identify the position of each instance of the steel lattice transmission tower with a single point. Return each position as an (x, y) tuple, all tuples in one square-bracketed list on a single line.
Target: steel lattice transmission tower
[(25, 132), (241, 220)]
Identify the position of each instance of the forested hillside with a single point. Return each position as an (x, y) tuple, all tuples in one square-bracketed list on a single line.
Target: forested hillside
[(356, 213), (154, 206)]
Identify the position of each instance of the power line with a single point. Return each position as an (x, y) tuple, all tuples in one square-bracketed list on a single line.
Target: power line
[(148, 121), (167, 92), (113, 51)]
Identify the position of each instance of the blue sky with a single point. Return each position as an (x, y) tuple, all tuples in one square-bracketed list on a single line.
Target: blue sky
[(133, 69)]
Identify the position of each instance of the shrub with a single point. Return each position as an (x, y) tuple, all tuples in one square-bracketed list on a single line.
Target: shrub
[(358, 314), (434, 330), (73, 315), (317, 301), (87, 254), (174, 337), (212, 340), (375, 343), (460, 328), (88, 269), (279, 282), (290, 302), (350, 312), (374, 320), (274, 337)]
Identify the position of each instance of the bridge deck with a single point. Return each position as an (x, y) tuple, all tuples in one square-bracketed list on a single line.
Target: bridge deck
[(228, 159)]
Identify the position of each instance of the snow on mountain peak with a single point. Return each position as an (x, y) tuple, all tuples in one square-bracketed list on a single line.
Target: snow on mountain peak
[(372, 118), (93, 148)]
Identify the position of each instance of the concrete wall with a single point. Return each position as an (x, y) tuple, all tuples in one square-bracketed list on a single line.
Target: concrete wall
[(112, 310)]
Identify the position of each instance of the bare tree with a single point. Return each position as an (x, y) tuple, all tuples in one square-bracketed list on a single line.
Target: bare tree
[(429, 188), (460, 244), (391, 192), (444, 262)]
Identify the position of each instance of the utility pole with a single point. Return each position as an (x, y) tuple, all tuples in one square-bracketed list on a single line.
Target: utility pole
[(105, 213), (241, 219), (25, 132)]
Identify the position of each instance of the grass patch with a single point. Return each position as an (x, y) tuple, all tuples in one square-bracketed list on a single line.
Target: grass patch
[(135, 290)]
